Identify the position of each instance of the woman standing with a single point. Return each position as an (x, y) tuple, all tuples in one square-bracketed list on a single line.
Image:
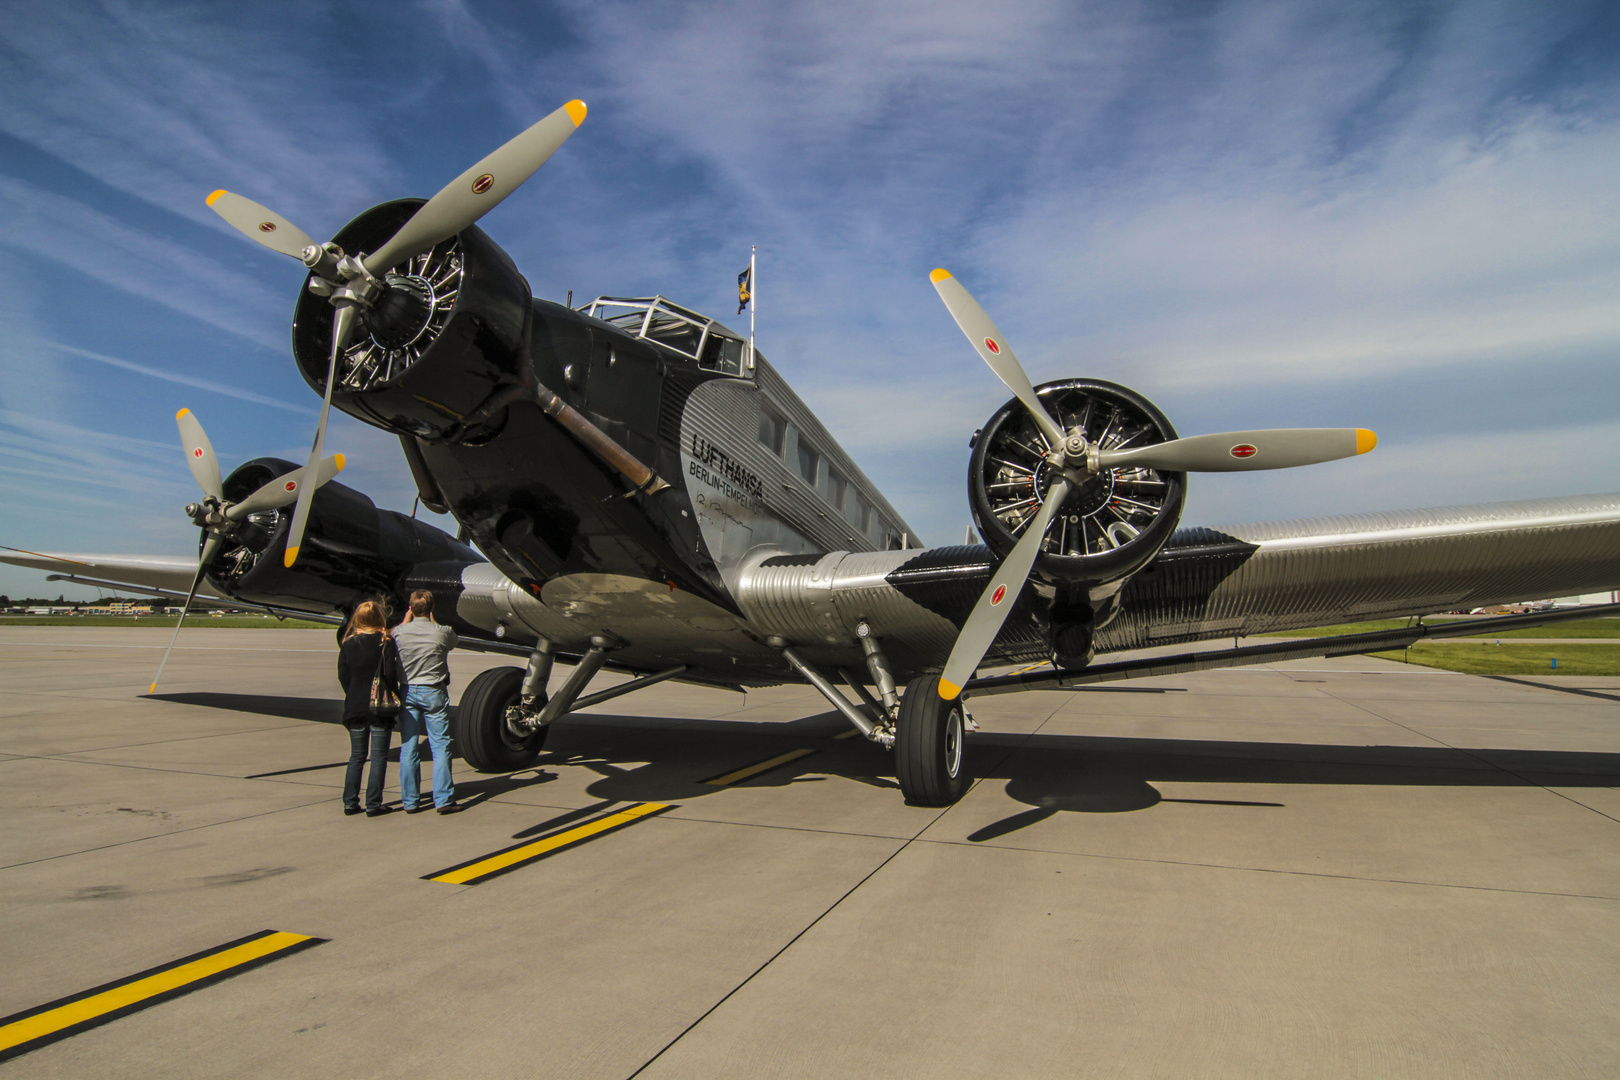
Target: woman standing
[(367, 653)]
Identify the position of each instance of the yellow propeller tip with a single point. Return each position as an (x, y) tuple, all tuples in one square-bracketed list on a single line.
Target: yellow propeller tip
[(152, 689), (341, 461), (291, 557), (215, 196), (949, 691), (181, 413), (1365, 440), (936, 277), (576, 112)]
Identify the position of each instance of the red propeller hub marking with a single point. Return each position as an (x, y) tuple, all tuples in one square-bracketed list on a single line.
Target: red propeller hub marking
[(196, 451), (1244, 450), (267, 226), (999, 595), (483, 184), (990, 343), (291, 485)]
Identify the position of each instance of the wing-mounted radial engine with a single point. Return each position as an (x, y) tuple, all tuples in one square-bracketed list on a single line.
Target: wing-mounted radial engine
[(352, 547), (246, 520), (1078, 484), (1110, 523)]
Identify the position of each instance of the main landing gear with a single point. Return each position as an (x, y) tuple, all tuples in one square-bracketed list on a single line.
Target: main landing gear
[(928, 743), (926, 732), (486, 740)]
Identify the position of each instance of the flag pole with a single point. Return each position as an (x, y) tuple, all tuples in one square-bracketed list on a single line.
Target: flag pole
[(751, 306)]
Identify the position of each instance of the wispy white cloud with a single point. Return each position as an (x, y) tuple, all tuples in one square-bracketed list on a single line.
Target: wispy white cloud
[(44, 225), (184, 380), (168, 103)]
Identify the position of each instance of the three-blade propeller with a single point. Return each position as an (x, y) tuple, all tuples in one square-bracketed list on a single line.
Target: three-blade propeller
[(354, 280), (220, 517), (1071, 455)]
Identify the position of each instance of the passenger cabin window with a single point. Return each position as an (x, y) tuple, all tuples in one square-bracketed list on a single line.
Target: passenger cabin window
[(860, 515), (837, 489), (722, 354), (772, 431), (809, 463)]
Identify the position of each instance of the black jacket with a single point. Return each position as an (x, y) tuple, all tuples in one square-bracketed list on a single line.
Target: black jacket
[(357, 666)]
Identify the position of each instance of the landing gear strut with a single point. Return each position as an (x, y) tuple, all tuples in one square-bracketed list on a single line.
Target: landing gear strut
[(928, 745)]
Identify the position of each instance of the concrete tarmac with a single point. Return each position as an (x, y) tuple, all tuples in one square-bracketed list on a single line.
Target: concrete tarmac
[(1345, 868)]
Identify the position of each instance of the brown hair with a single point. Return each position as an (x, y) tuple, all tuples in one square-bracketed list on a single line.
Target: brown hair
[(421, 603), (367, 619)]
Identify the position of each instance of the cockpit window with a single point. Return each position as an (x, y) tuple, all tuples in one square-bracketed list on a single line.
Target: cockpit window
[(722, 354)]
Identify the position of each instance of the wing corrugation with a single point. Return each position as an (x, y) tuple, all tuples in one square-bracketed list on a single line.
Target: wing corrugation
[(1360, 567)]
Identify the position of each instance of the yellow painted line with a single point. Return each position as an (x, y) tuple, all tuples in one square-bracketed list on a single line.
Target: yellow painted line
[(33, 1028), (850, 734), (739, 775), (501, 861)]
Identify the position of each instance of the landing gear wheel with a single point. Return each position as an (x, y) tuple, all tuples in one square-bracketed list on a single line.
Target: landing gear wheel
[(482, 735), (928, 745)]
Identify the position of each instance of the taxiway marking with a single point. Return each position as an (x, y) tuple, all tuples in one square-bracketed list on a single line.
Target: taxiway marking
[(747, 771), (499, 862), (36, 1027), (850, 734)]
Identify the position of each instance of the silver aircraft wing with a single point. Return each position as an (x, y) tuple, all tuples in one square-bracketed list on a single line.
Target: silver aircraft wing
[(1246, 580), (162, 575)]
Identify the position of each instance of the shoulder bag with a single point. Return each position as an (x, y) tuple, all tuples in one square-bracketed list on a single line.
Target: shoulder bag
[(384, 701)]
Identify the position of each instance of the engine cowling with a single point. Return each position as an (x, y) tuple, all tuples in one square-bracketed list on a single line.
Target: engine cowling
[(445, 334), (352, 548), (1108, 528)]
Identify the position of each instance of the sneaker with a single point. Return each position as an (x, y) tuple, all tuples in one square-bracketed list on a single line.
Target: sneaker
[(450, 808), (379, 811), (350, 811)]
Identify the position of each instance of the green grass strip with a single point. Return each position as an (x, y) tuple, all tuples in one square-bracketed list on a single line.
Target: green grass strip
[(1488, 658)]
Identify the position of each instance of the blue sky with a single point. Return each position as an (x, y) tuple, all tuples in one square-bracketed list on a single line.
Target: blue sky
[(1400, 216)]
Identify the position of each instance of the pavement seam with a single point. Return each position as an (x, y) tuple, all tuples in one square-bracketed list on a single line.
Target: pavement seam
[(788, 945), (163, 835), (1466, 752), (814, 922), (1268, 870)]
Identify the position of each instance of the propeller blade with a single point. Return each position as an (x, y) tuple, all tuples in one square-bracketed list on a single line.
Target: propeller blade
[(199, 452), (341, 322), (1244, 451), (210, 546), (475, 192), (260, 223), (982, 334), (283, 489), (998, 598)]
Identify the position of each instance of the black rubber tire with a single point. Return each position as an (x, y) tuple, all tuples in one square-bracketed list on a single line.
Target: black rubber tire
[(480, 730), (930, 745)]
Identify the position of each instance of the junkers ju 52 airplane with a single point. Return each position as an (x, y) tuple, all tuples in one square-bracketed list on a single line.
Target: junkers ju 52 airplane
[(643, 491)]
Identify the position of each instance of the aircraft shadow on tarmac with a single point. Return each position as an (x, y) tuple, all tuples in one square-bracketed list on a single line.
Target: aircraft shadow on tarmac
[(644, 760), (653, 759)]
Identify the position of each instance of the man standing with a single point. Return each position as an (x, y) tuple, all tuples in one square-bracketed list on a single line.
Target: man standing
[(423, 644)]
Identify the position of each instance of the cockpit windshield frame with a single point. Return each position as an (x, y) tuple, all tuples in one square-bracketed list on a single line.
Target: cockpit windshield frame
[(682, 330)]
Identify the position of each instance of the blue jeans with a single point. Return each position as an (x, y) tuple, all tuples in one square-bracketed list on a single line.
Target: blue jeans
[(361, 733), (426, 707)]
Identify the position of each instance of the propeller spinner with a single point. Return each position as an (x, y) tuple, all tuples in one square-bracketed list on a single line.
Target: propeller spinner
[(1073, 459), (356, 282)]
